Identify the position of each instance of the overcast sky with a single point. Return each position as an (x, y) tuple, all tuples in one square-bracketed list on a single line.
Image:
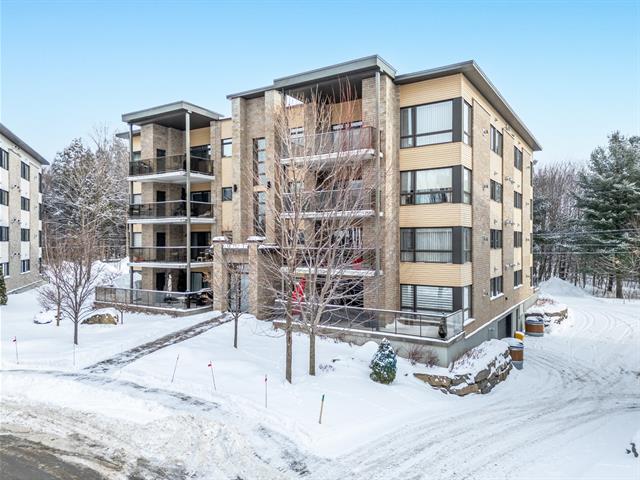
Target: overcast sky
[(570, 70)]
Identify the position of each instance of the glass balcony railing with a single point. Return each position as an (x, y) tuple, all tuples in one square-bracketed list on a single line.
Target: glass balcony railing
[(168, 254), (154, 298), (169, 164), (170, 209), (329, 142), (348, 199), (344, 258)]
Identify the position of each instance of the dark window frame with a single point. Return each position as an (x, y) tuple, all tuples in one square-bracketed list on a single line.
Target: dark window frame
[(4, 269), (467, 196), (409, 198), (226, 142), (4, 197), (496, 140), (517, 278), (467, 244), (496, 286), (413, 116), (259, 213), (25, 234), (25, 204), (517, 200), (25, 265), (25, 170), (4, 233), (467, 136), (414, 302), (495, 242), (517, 158), (495, 191), (259, 165), (227, 194), (410, 255), (517, 239), (4, 159)]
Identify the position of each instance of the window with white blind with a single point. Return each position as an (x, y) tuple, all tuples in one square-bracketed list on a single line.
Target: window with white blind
[(423, 298), (426, 124), (136, 239), (419, 187), (426, 245)]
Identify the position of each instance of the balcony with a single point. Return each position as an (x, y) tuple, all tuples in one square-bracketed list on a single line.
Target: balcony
[(347, 261), (171, 169), (168, 256), (187, 302), (170, 212), (356, 202), (348, 145)]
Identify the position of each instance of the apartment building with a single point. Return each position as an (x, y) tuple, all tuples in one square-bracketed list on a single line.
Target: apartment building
[(451, 255), (20, 211)]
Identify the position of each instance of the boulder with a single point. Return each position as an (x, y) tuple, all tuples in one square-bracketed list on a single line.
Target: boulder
[(483, 374), (466, 389), (436, 381), (102, 317)]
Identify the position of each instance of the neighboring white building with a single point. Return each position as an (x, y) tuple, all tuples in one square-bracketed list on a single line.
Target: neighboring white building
[(20, 210)]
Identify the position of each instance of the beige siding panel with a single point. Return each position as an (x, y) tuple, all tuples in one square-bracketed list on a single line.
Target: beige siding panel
[(200, 136), (517, 178), (227, 171), (201, 187), (436, 274), (517, 258), (136, 187), (137, 227), (200, 227), (136, 143), (496, 167), (436, 215), (495, 264), (496, 216), (227, 216), (432, 156), (429, 91), (466, 155), (226, 127), (346, 112)]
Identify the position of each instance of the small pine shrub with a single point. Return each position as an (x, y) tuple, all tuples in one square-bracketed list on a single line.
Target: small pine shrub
[(383, 364), (3, 290)]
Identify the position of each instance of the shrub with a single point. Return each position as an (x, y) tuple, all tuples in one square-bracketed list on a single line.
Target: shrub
[(383, 364), (3, 290)]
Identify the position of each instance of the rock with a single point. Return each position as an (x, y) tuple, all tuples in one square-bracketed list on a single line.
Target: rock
[(483, 374), (487, 387), (458, 380), (466, 390), (435, 381), (104, 318)]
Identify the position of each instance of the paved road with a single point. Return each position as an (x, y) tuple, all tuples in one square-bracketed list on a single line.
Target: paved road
[(22, 459)]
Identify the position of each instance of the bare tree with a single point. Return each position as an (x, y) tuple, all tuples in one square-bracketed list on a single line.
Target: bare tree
[(323, 194), (226, 281)]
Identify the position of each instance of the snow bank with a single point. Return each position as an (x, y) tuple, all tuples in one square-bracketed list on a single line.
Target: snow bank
[(556, 287)]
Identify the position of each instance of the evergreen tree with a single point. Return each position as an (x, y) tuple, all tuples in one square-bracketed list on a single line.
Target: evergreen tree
[(383, 364), (609, 200), (3, 290)]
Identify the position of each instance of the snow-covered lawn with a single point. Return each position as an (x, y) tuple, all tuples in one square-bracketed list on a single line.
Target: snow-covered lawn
[(570, 413), (47, 346)]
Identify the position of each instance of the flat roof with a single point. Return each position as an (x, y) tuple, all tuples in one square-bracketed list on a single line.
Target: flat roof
[(479, 80), (172, 115), (375, 63), (22, 144)]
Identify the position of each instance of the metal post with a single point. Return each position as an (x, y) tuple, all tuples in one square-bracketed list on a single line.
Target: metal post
[(187, 147), (378, 182)]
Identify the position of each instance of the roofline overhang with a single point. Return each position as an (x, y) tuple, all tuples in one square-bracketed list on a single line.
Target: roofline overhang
[(148, 115), (22, 145), (479, 80), (371, 63)]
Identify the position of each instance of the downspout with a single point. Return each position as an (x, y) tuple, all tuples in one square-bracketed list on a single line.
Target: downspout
[(128, 231), (378, 182)]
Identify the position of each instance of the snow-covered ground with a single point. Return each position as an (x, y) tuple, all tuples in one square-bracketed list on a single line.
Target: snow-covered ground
[(570, 413)]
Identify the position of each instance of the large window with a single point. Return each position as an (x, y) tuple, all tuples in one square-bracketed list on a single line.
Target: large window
[(259, 161), (496, 238), (4, 234), (25, 266), (201, 152), (4, 197), (420, 187), (422, 298), (24, 170), (496, 286), (426, 245), (496, 191), (517, 200), (227, 194), (517, 239), (259, 214), (467, 123), (466, 244), (426, 124), (4, 159), (517, 158), (496, 140), (25, 204), (227, 147), (517, 278), (24, 234), (466, 185)]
